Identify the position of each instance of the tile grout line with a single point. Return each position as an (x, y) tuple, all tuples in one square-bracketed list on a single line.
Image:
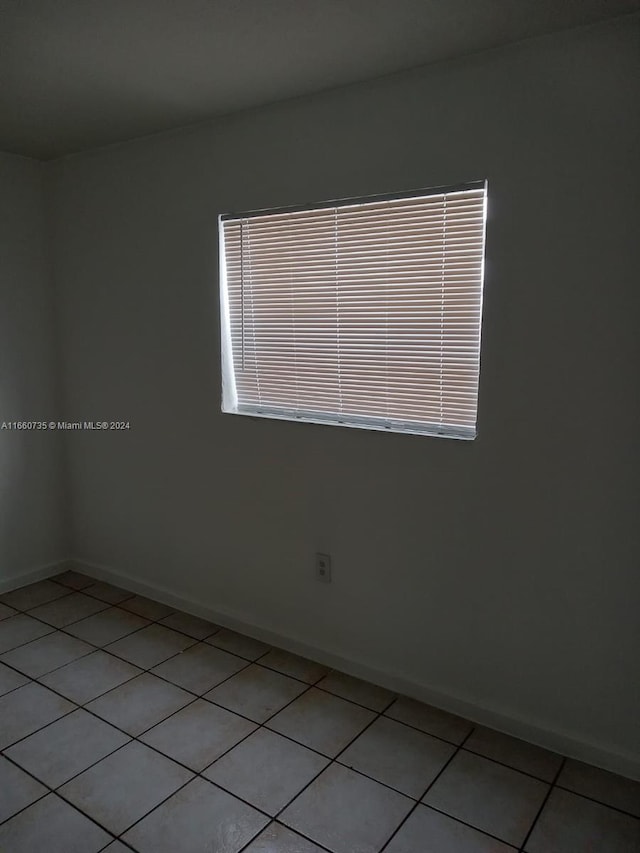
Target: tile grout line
[(199, 774), (132, 738), (55, 668), (158, 621), (309, 686), (149, 670), (597, 802), (104, 648), (331, 761), (263, 724), (255, 661), (543, 805), (41, 603), (271, 818), (150, 621), (320, 846), (81, 706), (51, 791), (196, 696), (427, 789), (511, 766)]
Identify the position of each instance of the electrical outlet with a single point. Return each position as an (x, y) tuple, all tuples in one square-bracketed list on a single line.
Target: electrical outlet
[(323, 568)]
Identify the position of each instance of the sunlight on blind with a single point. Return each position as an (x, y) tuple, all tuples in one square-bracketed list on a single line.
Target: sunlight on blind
[(363, 313)]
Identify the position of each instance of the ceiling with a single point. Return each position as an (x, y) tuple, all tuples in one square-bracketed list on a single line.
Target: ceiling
[(75, 74)]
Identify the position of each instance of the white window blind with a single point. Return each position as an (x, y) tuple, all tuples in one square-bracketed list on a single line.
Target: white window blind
[(364, 313)]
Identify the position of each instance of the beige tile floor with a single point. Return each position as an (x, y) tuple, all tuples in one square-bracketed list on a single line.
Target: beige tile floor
[(127, 726)]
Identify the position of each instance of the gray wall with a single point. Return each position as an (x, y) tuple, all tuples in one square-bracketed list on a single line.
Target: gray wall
[(31, 493), (503, 571)]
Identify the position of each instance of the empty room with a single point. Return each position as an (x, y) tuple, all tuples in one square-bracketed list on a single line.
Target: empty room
[(318, 426)]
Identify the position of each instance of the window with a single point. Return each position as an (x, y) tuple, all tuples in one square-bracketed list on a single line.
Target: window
[(362, 312)]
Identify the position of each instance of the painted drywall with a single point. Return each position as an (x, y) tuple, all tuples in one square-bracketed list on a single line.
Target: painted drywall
[(501, 571), (32, 522)]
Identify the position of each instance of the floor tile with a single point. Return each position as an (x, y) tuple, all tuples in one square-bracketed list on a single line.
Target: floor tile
[(190, 625), (65, 611), (17, 789), (107, 592), (493, 798), (30, 596), (198, 734), (572, 823), (494, 786), (430, 720), (238, 644), (369, 695), (150, 646), (140, 703), (27, 709), (516, 753), (428, 831), (321, 721), (74, 580), (46, 653), (147, 607), (90, 676), (116, 847), (347, 812), (66, 747), (266, 770), (256, 692), (200, 668), (199, 818), (398, 756), (9, 679), (53, 826), (6, 611), (107, 626), (296, 667), (608, 788), (20, 629), (277, 838), (123, 787)]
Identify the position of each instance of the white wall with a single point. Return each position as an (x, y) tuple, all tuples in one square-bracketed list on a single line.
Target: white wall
[(31, 486), (501, 572)]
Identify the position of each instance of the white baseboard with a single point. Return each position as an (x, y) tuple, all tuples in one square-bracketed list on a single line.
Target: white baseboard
[(31, 575), (557, 741)]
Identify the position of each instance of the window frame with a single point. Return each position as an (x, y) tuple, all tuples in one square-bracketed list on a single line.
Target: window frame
[(381, 424)]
